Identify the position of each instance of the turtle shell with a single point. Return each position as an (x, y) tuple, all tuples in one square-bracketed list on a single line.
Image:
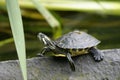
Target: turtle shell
[(76, 40)]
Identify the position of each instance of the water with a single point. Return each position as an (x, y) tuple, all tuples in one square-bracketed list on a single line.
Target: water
[(103, 27)]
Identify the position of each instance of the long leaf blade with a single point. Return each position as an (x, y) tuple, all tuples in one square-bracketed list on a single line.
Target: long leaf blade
[(18, 34)]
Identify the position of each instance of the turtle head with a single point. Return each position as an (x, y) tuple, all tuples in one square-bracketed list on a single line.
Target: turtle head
[(46, 40)]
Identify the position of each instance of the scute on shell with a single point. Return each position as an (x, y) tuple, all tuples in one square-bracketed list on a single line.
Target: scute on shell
[(76, 40)]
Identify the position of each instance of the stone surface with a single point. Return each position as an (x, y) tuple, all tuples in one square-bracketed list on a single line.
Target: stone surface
[(49, 68)]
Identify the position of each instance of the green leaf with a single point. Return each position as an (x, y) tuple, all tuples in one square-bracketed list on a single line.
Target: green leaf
[(6, 41), (18, 34), (52, 21)]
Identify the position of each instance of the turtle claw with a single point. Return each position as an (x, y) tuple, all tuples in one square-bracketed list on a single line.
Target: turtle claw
[(98, 57), (40, 55)]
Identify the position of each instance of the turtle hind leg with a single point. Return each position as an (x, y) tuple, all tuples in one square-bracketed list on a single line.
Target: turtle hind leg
[(97, 55), (71, 62)]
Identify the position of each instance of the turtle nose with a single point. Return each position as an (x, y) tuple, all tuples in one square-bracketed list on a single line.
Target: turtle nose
[(41, 35)]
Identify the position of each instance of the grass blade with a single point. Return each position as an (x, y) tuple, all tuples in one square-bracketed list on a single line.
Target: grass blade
[(6, 41), (18, 34), (53, 22)]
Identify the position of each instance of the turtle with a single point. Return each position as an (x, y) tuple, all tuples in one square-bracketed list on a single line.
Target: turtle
[(72, 44)]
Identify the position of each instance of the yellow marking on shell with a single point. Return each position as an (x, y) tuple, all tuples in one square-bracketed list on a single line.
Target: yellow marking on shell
[(83, 50), (73, 52), (78, 52)]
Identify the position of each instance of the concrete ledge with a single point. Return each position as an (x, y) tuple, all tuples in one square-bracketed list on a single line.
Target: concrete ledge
[(48, 68)]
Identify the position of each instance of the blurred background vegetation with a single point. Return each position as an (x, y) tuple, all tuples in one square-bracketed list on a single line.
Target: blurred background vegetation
[(100, 18)]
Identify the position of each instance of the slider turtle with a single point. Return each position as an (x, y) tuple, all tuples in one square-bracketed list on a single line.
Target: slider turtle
[(72, 44)]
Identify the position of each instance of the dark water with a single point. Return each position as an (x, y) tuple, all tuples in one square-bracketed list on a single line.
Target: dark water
[(106, 28)]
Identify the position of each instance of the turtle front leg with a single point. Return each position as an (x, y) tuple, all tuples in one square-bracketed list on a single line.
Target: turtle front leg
[(97, 55), (71, 62), (44, 51)]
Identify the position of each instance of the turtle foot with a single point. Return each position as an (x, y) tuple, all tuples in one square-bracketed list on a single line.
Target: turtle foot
[(40, 55), (98, 57), (97, 54)]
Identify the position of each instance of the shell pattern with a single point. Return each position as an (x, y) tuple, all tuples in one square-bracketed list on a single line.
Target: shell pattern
[(76, 40)]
